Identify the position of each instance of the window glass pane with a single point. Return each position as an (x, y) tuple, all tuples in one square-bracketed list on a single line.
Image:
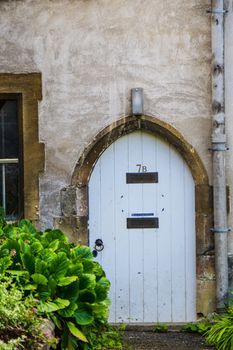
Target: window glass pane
[(9, 129), (9, 190), (9, 148)]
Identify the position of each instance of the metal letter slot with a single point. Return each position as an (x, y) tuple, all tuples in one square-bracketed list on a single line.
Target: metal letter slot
[(141, 178), (142, 222)]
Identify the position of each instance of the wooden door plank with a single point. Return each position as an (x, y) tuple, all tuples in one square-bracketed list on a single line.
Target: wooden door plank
[(95, 208), (190, 249), (135, 235), (150, 297), (121, 234), (178, 239), (107, 222), (164, 281)]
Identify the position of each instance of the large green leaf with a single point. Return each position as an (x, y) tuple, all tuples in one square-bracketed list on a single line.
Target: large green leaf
[(52, 235), (87, 281), (13, 247), (87, 296), (69, 342), (48, 256), (25, 248), (98, 270), (65, 281), (50, 306), (59, 265), (11, 232), (26, 226), (83, 317), (36, 247), (54, 245), (72, 343), (4, 252), (28, 262), (62, 303), (25, 236), (104, 282), (43, 293), (30, 287), (52, 285), (84, 252), (39, 279), (100, 309), (41, 267), (88, 265), (75, 269), (56, 321), (70, 292), (69, 310), (76, 332), (64, 247), (102, 288)]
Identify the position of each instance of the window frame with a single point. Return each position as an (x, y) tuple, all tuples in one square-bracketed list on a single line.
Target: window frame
[(27, 88), (17, 97)]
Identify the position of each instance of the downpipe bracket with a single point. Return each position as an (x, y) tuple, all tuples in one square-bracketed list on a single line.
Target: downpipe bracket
[(221, 230), (218, 148), (217, 12)]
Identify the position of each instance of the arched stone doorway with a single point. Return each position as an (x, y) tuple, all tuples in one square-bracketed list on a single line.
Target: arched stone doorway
[(75, 214)]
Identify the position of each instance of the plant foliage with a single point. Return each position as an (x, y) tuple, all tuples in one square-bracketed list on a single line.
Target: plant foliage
[(70, 287), (160, 328), (200, 327), (221, 333), (20, 327)]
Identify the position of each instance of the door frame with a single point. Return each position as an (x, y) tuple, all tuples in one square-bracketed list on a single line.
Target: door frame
[(205, 276)]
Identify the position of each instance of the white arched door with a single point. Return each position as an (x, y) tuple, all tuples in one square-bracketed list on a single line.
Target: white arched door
[(142, 206)]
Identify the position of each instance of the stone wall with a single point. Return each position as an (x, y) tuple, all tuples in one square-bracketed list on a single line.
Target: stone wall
[(91, 53)]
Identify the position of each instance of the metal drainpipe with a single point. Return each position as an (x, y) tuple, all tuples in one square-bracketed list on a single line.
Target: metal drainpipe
[(219, 148)]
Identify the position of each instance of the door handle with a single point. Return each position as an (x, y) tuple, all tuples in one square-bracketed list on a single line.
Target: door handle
[(99, 246)]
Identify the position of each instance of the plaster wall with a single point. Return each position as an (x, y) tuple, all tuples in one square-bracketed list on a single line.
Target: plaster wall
[(91, 53)]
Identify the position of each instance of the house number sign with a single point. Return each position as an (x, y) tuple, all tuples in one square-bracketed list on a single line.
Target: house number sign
[(142, 177), (141, 168)]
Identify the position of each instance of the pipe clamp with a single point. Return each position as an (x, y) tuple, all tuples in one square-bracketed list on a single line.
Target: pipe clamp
[(221, 230), (217, 11), (221, 147)]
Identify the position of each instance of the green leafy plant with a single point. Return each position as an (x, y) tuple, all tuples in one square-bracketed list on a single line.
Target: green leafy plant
[(160, 328), (20, 327), (70, 287), (220, 333), (200, 327), (106, 337)]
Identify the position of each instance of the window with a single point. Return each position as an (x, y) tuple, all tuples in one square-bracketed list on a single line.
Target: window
[(10, 174), (21, 154)]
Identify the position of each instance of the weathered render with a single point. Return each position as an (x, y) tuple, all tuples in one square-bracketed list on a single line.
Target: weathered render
[(90, 53)]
